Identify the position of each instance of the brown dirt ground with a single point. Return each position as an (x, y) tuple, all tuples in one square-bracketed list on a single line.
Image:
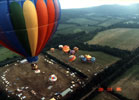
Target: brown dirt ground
[(37, 82)]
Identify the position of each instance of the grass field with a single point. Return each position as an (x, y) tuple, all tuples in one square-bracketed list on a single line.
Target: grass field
[(122, 38), (89, 24), (131, 22), (98, 18), (70, 30), (5, 53), (82, 21), (102, 60), (73, 29), (21, 75), (65, 26), (129, 82), (109, 22), (104, 96)]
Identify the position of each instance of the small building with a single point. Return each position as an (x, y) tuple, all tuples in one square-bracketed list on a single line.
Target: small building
[(66, 92)]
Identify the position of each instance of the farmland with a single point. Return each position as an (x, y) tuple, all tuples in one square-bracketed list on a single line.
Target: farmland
[(73, 29), (89, 22), (104, 96), (122, 38), (82, 21), (76, 28), (103, 60), (129, 82), (109, 22), (5, 53)]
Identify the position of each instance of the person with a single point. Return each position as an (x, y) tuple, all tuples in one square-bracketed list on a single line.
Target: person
[(34, 66)]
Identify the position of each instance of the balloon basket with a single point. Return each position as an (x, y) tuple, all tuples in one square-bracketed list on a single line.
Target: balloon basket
[(32, 59), (34, 66), (37, 71)]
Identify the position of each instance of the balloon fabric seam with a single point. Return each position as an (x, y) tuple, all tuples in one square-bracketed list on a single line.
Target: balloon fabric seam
[(32, 28)]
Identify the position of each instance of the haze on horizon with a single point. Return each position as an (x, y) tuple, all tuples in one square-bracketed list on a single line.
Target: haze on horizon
[(69, 4)]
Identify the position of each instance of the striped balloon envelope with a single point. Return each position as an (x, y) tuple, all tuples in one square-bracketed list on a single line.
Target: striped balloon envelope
[(72, 58), (27, 25), (53, 78)]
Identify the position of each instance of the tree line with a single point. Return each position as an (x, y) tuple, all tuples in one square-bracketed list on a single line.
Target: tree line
[(79, 40)]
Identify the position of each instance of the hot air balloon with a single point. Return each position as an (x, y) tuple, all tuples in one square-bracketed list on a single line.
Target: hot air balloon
[(84, 59), (52, 50), (72, 52), (66, 48), (93, 59), (81, 56), (27, 25), (60, 47), (72, 58), (88, 57), (76, 49), (53, 78), (34, 66)]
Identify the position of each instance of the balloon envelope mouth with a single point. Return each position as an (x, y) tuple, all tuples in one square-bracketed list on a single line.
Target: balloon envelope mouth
[(32, 59)]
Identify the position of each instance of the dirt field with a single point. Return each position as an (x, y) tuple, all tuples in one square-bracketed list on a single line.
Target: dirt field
[(102, 61), (122, 38), (104, 96), (22, 76), (129, 82)]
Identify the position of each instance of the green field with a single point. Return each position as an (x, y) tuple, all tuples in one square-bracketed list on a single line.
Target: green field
[(122, 38), (73, 29), (98, 18), (109, 22), (65, 26), (102, 61), (90, 14), (5, 53), (86, 23), (131, 22), (105, 96), (82, 21), (129, 82), (76, 25)]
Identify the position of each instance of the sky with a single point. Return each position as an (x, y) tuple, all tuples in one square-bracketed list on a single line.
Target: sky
[(68, 4)]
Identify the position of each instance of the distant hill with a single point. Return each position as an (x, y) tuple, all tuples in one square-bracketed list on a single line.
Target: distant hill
[(105, 10), (116, 9)]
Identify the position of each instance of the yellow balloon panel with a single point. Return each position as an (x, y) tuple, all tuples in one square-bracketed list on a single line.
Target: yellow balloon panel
[(31, 20)]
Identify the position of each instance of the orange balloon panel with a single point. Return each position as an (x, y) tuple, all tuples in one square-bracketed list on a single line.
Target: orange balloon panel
[(66, 48), (42, 23)]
